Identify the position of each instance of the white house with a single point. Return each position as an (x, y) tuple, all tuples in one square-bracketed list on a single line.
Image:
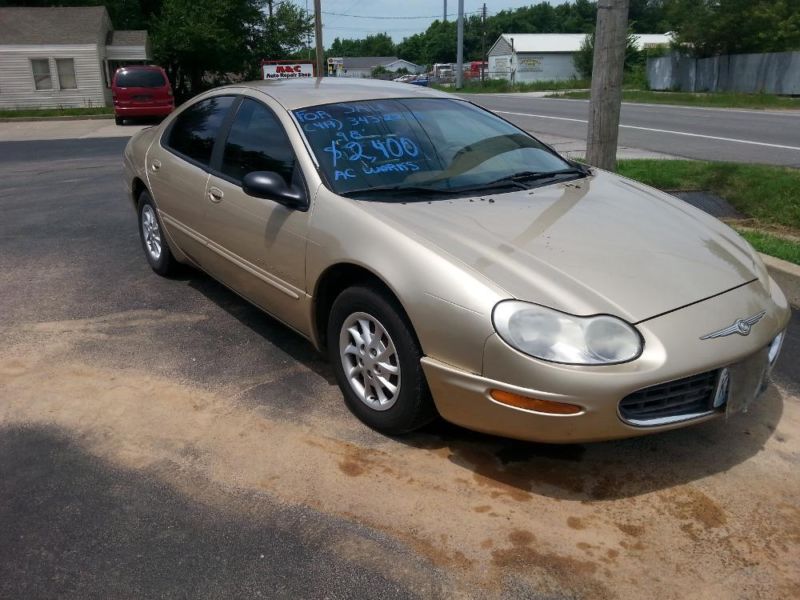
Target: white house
[(525, 57), (362, 66), (62, 56)]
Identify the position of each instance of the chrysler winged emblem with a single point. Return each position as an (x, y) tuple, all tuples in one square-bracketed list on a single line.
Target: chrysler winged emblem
[(740, 326)]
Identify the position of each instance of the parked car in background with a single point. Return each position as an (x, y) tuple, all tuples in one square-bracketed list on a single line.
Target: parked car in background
[(141, 91), (421, 80), (466, 270)]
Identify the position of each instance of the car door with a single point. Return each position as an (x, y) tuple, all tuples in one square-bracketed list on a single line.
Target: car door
[(177, 170), (260, 244)]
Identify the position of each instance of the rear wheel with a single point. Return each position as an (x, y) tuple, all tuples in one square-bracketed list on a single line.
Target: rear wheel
[(119, 120), (376, 359), (155, 246)]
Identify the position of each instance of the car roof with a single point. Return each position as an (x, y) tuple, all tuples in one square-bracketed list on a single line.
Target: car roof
[(299, 93)]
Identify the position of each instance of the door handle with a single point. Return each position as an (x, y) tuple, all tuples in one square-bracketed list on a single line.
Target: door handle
[(155, 165), (215, 194)]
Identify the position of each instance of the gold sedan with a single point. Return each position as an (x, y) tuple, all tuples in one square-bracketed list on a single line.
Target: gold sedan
[(449, 263)]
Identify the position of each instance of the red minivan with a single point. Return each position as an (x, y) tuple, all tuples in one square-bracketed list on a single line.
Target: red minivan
[(141, 91)]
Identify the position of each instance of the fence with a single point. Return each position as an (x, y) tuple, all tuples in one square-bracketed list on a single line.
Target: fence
[(771, 73)]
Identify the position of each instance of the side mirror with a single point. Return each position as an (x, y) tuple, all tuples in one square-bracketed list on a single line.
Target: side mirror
[(271, 186)]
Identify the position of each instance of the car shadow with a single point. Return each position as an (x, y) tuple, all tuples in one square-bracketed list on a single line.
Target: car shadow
[(608, 470), (76, 525), (585, 472), (259, 322)]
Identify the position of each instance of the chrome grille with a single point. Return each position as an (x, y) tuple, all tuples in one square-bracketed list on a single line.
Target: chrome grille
[(672, 401)]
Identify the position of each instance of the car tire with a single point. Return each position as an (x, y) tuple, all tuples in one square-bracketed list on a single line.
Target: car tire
[(119, 120), (153, 238), (393, 346)]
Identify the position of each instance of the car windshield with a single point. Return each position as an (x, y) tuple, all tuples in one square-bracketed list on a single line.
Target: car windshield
[(424, 147), (145, 78)]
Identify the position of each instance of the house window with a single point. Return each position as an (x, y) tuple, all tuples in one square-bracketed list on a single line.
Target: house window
[(66, 73), (41, 74)]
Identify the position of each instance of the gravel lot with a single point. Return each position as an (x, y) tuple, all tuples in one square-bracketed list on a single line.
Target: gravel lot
[(162, 438)]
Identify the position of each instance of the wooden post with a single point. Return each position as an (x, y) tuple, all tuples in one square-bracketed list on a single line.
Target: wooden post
[(318, 36), (607, 67)]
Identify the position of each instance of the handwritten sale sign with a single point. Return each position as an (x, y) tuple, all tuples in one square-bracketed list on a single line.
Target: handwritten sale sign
[(287, 71)]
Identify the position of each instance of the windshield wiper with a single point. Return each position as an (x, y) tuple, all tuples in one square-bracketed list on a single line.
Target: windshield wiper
[(519, 179), (393, 189), (516, 180), (525, 176)]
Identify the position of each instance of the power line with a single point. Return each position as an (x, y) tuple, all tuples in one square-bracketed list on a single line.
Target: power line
[(334, 14), (373, 31)]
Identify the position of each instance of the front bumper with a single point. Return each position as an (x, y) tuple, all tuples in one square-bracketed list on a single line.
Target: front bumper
[(673, 350)]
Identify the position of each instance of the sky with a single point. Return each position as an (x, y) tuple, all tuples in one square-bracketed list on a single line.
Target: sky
[(395, 16)]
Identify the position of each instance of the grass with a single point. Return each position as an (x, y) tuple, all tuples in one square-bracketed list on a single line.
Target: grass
[(769, 195), (714, 100), (490, 86), (56, 112), (773, 245)]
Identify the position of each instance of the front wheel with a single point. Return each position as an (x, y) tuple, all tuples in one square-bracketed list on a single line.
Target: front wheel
[(376, 359), (119, 120)]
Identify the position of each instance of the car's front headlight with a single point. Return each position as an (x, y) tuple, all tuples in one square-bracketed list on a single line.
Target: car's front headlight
[(563, 338)]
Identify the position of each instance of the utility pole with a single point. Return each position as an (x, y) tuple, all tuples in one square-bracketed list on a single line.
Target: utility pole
[(606, 97), (318, 36), (460, 47), (511, 67), (484, 60), (308, 36), (444, 18)]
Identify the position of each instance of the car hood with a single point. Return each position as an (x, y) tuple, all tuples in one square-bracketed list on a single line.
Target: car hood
[(601, 244)]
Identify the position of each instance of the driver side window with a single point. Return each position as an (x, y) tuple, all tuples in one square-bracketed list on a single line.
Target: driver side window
[(257, 142)]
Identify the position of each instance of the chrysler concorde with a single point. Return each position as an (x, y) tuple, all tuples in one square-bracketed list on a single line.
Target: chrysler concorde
[(451, 264)]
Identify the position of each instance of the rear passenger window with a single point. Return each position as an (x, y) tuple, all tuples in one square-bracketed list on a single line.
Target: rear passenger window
[(196, 128), (144, 78), (257, 142)]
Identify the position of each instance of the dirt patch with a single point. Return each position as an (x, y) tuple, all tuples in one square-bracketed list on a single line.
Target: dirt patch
[(522, 516), (630, 529), (552, 570), (575, 523), (689, 503)]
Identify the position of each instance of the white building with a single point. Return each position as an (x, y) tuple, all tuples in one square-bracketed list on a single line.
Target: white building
[(525, 57), (62, 56), (362, 66)]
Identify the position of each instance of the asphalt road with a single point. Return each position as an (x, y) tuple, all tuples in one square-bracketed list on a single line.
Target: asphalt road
[(163, 438), (770, 137)]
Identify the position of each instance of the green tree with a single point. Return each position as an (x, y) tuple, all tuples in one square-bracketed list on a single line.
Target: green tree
[(438, 42), (711, 27), (379, 44), (413, 48), (202, 43), (584, 58), (282, 34)]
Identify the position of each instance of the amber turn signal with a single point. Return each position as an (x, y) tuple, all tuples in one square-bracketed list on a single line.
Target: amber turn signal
[(542, 406)]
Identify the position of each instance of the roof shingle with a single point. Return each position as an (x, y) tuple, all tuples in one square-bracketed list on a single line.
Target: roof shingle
[(132, 37), (53, 25)]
